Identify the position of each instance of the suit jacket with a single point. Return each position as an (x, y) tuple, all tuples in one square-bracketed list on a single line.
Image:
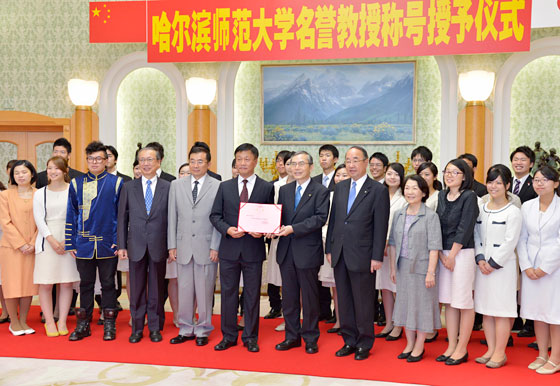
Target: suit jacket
[(42, 179), (307, 220), (124, 177), (319, 179), (167, 176), (138, 231), (225, 214), (189, 227), (214, 175), (526, 192), (362, 232), (479, 189)]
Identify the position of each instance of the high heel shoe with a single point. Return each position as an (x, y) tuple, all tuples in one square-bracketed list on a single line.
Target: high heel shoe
[(16, 333), (404, 355), (454, 362), (482, 360), (542, 370), (61, 332), (391, 338), (383, 334), (50, 334), (411, 358), (496, 365), (433, 338)]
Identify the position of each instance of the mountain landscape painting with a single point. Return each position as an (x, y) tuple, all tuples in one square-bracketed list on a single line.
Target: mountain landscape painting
[(350, 103)]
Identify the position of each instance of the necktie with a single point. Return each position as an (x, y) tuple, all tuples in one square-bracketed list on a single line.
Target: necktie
[(244, 196), (351, 196), (325, 181), (149, 196), (516, 188), (195, 192), (298, 197)]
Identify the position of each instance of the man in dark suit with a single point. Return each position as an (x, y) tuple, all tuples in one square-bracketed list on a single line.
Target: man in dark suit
[(61, 148), (112, 157), (479, 188), (240, 251), (142, 238), (160, 173), (328, 157), (355, 243), (522, 160), (305, 208)]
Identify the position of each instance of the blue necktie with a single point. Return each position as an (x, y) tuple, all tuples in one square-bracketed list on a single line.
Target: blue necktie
[(149, 196), (351, 197), (325, 180), (298, 197)]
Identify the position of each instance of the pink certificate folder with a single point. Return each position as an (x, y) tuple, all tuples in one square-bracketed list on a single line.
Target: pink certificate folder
[(259, 218)]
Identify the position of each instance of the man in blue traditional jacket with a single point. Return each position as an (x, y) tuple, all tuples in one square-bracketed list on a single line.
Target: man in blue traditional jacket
[(91, 238)]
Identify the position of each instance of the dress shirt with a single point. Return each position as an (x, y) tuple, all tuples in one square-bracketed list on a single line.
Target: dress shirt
[(521, 182), (303, 186), (145, 184), (158, 172), (329, 176), (114, 172), (250, 183), (200, 182), (359, 184)]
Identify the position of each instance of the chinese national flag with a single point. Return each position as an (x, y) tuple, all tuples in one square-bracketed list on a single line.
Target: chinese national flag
[(117, 22)]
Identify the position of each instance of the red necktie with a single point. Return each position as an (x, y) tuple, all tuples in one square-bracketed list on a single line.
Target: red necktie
[(244, 197)]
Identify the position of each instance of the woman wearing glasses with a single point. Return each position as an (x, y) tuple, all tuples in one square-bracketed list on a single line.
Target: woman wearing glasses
[(458, 210), (539, 260)]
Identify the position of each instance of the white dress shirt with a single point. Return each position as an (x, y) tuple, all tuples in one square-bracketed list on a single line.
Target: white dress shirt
[(200, 182), (158, 172), (250, 183), (359, 184), (303, 186), (521, 182), (152, 187), (329, 178)]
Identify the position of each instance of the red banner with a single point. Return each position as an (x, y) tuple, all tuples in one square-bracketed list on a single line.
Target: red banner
[(117, 22), (217, 30)]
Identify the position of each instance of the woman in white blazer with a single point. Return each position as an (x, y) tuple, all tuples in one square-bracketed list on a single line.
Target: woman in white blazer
[(539, 260), (496, 234)]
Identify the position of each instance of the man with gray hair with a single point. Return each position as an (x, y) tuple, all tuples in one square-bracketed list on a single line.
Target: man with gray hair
[(305, 208)]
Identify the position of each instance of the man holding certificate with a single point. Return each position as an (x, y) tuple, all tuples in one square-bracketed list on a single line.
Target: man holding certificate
[(241, 251), (305, 208)]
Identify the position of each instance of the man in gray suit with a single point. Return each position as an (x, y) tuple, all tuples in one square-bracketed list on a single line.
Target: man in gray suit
[(194, 243), (142, 238)]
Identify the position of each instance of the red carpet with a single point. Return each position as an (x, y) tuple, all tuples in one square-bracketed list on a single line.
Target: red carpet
[(382, 365)]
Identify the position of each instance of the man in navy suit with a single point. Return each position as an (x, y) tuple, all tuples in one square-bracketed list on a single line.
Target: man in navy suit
[(355, 243), (240, 251), (305, 208), (142, 239)]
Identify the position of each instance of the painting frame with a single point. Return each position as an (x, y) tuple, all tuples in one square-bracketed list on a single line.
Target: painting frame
[(265, 136)]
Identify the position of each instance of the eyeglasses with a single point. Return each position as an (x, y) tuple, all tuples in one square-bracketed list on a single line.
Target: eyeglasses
[(197, 162), (538, 181), (354, 161), (299, 164), (453, 173), (146, 160), (95, 160)]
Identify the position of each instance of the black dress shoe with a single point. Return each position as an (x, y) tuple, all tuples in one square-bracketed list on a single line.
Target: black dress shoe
[(155, 336), (383, 334), (311, 348), (453, 362), (404, 355), (224, 345), (442, 358), (533, 345), (361, 354), (100, 322), (181, 339), (433, 338), (252, 346), (5, 320), (526, 333), (288, 344), (333, 330), (391, 338), (331, 320), (135, 337), (345, 351), (412, 358), (201, 340), (272, 314)]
